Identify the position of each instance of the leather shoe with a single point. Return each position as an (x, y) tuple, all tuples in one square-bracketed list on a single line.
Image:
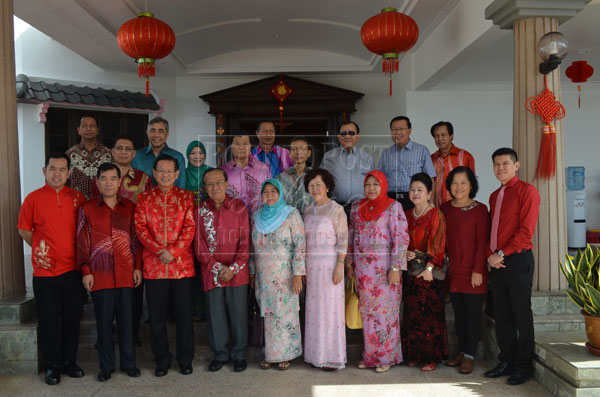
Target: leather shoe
[(73, 370), (53, 375), (518, 377), (158, 372), (132, 372), (456, 361), (103, 376), (502, 369), (239, 365), (187, 370), (216, 365), (466, 366)]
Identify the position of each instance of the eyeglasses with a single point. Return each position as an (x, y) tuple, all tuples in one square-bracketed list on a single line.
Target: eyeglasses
[(124, 148), (351, 133)]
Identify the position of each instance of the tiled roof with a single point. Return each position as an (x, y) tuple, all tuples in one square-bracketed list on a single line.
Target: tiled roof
[(41, 91)]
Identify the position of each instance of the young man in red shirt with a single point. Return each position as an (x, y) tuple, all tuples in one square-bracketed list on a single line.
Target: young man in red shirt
[(47, 222), (514, 210), (110, 259)]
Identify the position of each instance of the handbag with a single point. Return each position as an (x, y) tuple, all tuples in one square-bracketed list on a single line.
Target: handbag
[(256, 324), (353, 318), (417, 266)]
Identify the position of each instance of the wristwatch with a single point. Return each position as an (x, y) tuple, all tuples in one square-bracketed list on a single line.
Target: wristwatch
[(430, 268), (395, 269), (501, 253)]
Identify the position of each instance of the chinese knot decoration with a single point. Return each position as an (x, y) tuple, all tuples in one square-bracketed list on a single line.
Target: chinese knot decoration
[(548, 108), (146, 39), (579, 72), (388, 34), (281, 91)]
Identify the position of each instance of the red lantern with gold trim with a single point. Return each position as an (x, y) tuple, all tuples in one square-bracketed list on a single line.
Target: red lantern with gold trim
[(579, 72), (388, 34), (146, 39)]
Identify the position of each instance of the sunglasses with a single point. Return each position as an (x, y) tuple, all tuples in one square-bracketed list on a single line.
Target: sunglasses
[(351, 133)]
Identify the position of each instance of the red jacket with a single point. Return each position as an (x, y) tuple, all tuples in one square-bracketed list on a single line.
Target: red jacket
[(166, 220), (106, 243), (222, 238)]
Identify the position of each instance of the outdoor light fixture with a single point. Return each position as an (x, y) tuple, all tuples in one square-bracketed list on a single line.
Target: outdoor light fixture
[(552, 48)]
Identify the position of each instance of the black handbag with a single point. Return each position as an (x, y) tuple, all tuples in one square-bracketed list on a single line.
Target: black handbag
[(417, 266), (256, 325)]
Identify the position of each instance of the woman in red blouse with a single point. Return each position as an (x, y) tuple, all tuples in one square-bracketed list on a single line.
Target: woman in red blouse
[(424, 338), (466, 241)]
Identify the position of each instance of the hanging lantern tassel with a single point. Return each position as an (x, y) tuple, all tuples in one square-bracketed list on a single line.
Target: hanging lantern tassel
[(281, 117), (146, 69), (390, 65), (548, 108), (579, 96)]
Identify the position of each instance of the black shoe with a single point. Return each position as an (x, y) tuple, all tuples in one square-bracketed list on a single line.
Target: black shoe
[(239, 365), (103, 376), (53, 375), (502, 369), (137, 341), (132, 372), (158, 372), (73, 370), (518, 377), (216, 365), (187, 370)]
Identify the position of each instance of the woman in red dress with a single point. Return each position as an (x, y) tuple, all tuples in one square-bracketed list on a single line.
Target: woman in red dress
[(466, 242), (424, 338)]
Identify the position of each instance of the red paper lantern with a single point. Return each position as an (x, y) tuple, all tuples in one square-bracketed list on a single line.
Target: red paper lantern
[(388, 34), (579, 72), (146, 39)]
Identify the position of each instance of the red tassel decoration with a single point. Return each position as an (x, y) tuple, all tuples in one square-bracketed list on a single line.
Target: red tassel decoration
[(546, 167)]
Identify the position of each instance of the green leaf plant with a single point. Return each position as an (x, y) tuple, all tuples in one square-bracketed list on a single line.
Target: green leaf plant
[(583, 275)]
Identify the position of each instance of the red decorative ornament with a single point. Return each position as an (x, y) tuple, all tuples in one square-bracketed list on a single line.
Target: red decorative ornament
[(281, 91), (146, 39), (548, 108), (388, 34), (579, 72)]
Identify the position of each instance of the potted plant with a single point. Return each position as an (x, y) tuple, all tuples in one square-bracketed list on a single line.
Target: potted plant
[(583, 275)]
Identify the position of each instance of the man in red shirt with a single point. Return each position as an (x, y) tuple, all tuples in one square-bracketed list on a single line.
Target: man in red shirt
[(514, 209), (222, 246), (47, 222), (164, 222), (109, 257), (447, 158)]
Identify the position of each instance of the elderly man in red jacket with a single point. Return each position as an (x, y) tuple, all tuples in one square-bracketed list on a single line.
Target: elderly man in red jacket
[(110, 260), (164, 222), (222, 246)]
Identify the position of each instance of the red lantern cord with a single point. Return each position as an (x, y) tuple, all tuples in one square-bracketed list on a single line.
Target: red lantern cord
[(548, 108)]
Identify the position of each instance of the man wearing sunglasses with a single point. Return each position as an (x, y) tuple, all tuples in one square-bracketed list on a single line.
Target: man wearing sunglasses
[(348, 165)]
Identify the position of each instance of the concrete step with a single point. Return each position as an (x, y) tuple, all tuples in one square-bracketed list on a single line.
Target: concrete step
[(559, 323), (552, 303), (18, 348), (17, 310)]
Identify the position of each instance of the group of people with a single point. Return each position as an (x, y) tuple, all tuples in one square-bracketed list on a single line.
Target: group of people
[(266, 225)]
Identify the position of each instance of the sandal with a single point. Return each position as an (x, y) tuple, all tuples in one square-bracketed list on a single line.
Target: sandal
[(283, 365), (361, 365), (265, 364), (429, 367), (382, 369), (412, 363)]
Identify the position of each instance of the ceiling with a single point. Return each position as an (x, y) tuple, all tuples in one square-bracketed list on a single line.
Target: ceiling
[(230, 36)]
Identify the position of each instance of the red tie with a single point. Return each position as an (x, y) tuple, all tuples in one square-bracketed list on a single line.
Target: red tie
[(496, 220)]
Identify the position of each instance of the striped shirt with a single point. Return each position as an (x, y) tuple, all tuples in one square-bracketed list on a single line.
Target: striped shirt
[(399, 165)]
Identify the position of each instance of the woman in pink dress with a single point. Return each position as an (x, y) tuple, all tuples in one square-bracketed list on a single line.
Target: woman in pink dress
[(326, 229), (378, 240)]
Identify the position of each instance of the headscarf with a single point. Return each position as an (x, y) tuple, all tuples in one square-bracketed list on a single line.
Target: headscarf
[(371, 209), (194, 175), (270, 217)]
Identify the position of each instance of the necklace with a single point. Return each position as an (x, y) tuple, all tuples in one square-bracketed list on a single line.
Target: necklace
[(422, 211)]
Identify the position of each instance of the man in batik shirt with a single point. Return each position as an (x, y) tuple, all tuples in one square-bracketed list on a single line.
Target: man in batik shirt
[(275, 157), (87, 156), (164, 221), (109, 257), (245, 173)]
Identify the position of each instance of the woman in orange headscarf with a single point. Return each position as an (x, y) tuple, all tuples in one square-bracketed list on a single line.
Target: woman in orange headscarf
[(378, 240)]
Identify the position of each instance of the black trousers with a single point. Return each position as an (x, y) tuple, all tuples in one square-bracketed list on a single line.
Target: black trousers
[(60, 306), (138, 307), (402, 198), (511, 294), (468, 317), (180, 292), (227, 310), (108, 305)]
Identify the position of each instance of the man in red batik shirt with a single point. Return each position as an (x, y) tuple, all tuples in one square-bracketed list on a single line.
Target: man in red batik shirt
[(164, 222), (109, 257), (514, 210), (47, 222), (222, 246)]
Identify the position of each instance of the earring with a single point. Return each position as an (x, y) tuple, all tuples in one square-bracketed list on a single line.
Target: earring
[(327, 190)]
